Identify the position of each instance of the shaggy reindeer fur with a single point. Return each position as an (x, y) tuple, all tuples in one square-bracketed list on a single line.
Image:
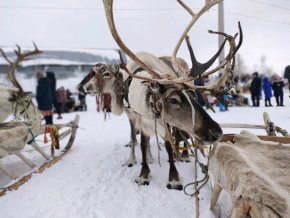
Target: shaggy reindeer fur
[(15, 139), (255, 171), (7, 107)]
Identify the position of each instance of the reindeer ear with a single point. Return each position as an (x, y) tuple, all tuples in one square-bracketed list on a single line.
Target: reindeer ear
[(116, 68), (153, 86)]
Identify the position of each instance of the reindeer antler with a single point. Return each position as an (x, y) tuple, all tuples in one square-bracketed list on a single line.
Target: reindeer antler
[(108, 4), (216, 89), (13, 65), (225, 83), (195, 16)]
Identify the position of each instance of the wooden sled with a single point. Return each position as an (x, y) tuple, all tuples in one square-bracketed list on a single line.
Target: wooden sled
[(18, 181), (237, 174)]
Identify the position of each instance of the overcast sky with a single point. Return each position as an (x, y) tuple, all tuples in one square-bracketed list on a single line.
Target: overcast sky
[(153, 31)]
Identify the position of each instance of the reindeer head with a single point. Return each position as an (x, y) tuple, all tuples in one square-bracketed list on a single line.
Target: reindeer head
[(22, 104), (101, 79)]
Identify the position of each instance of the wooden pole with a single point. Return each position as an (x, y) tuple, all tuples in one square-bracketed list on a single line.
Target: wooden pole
[(195, 186)]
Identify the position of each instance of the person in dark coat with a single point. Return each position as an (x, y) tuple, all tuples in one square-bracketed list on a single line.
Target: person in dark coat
[(255, 89), (277, 87), (287, 75), (200, 100), (267, 91), (44, 96), (82, 98), (51, 76)]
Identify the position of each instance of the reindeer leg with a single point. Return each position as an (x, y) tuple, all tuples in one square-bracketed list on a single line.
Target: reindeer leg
[(149, 154), (132, 159), (144, 177), (184, 154), (133, 136), (173, 180)]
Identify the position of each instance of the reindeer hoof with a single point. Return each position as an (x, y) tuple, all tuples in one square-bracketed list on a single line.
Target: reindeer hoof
[(141, 180), (130, 143), (176, 187), (174, 183), (130, 162)]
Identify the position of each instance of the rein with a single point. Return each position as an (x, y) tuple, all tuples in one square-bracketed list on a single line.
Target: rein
[(28, 124)]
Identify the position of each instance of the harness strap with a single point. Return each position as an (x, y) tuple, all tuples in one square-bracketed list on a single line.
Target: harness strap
[(127, 84), (25, 108), (33, 137), (184, 148)]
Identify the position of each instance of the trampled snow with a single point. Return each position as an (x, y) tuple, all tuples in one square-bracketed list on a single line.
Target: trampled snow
[(90, 180)]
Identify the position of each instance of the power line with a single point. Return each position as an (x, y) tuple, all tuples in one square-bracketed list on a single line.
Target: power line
[(140, 9), (62, 47), (270, 5), (96, 9)]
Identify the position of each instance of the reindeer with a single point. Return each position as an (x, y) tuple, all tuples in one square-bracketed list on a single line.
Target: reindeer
[(111, 84), (160, 98), (16, 101)]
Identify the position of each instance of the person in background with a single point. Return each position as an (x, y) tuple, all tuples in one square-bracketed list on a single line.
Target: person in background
[(277, 87), (51, 76), (287, 75), (255, 89), (44, 97), (68, 94), (82, 99), (70, 101), (267, 91), (200, 100), (62, 99), (221, 106)]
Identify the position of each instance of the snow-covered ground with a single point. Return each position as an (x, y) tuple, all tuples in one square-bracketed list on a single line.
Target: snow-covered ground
[(90, 180)]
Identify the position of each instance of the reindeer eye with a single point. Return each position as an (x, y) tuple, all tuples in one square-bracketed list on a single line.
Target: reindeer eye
[(106, 74), (173, 101)]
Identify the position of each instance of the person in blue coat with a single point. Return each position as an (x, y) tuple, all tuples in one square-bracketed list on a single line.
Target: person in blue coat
[(267, 91), (44, 96)]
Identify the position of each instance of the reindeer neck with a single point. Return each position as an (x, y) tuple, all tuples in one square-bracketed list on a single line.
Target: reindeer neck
[(5, 105)]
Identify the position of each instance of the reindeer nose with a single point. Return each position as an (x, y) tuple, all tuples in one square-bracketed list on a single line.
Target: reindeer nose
[(88, 88), (214, 134)]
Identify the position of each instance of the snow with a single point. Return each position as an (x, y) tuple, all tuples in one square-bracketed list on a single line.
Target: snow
[(90, 180), (51, 61)]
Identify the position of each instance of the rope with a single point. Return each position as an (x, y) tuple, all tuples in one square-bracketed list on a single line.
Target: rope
[(54, 135), (271, 128), (204, 170), (184, 148), (158, 146)]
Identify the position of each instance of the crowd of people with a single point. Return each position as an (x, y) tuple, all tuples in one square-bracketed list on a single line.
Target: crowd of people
[(50, 100), (256, 86)]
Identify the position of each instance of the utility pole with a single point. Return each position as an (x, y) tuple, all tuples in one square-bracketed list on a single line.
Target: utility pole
[(221, 29)]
